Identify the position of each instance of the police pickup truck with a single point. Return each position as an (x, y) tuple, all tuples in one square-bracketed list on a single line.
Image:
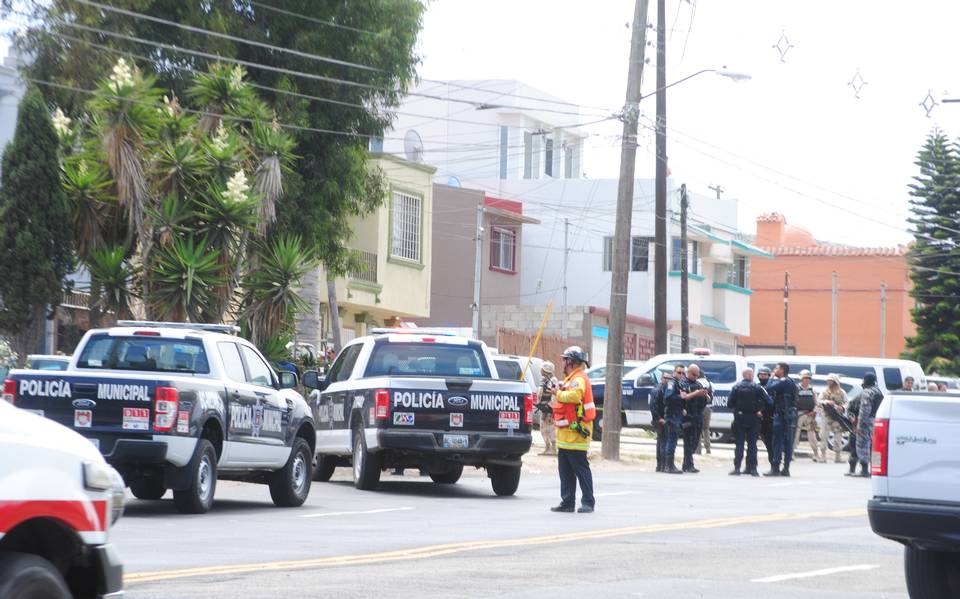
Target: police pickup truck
[(177, 406), (412, 398)]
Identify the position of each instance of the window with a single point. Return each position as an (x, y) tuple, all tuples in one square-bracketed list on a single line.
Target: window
[(232, 364), (406, 226), (427, 359), (639, 254), (719, 371), (343, 366), (260, 373), (503, 249), (145, 354), (739, 272), (504, 143), (508, 369), (892, 379), (568, 156), (693, 256), (527, 155), (548, 157), (850, 370)]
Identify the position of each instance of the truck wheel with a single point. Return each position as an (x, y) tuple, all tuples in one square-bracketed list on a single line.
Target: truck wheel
[(449, 477), (326, 464), (366, 465), (25, 576), (148, 488), (504, 479), (928, 573), (290, 485), (198, 497)]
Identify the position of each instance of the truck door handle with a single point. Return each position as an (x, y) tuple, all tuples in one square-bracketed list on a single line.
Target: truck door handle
[(235, 393)]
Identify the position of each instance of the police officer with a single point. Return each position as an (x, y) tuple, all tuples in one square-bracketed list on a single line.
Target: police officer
[(747, 400), (695, 401), (658, 418), (574, 412), (766, 421), (673, 418), (784, 394)]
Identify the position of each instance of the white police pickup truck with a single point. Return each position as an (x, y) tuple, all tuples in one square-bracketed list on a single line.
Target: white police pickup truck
[(177, 406), (58, 500), (915, 466), (412, 398)]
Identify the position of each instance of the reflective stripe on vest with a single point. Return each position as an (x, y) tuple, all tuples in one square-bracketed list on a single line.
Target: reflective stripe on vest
[(562, 423)]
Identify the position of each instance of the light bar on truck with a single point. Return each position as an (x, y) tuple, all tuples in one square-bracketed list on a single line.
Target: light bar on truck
[(408, 331), (228, 329)]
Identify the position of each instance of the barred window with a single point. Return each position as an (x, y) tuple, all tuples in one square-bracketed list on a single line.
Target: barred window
[(405, 242), (503, 243)]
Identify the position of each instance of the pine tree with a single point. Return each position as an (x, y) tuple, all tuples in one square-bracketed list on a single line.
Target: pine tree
[(35, 228), (935, 257)]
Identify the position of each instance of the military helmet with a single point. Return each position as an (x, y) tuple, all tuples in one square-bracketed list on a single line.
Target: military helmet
[(763, 370), (548, 368), (575, 353)]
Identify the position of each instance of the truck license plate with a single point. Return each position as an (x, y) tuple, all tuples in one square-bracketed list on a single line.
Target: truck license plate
[(455, 441)]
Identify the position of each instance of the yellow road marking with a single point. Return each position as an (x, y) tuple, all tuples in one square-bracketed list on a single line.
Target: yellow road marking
[(450, 548)]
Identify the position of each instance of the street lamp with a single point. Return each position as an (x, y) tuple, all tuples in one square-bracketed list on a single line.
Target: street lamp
[(736, 76)]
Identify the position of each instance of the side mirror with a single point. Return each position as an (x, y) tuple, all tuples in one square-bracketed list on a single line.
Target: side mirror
[(645, 380), (288, 380), (312, 379)]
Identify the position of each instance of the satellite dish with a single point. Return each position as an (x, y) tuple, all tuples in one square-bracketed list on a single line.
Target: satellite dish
[(413, 146), (453, 181)]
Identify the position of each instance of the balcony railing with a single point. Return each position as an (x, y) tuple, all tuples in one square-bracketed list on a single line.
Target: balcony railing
[(367, 270), (76, 299)]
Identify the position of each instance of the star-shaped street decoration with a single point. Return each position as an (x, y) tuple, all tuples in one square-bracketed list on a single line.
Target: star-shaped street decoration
[(928, 103), (857, 84), (783, 46)]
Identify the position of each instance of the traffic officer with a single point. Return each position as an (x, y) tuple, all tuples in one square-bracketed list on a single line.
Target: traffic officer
[(784, 394), (747, 400), (574, 413), (766, 422), (658, 418), (673, 418), (695, 401)]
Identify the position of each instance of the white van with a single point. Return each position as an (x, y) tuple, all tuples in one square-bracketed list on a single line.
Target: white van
[(722, 370), (890, 372)]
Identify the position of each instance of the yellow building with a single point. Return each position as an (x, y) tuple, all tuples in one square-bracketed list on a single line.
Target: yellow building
[(394, 245)]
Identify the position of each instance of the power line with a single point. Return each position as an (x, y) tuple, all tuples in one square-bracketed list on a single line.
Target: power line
[(311, 19)]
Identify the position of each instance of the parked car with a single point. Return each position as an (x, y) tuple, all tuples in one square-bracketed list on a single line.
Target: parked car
[(47, 362), (890, 372), (952, 384), (179, 406), (56, 512), (408, 398), (598, 384), (915, 466)]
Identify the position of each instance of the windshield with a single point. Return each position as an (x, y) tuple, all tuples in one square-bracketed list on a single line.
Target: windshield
[(430, 359), (144, 354)]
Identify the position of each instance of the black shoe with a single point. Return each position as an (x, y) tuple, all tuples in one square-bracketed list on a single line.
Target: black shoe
[(691, 470), (585, 509), (671, 469), (567, 509), (735, 472), (753, 473), (785, 472), (772, 472), (659, 468)]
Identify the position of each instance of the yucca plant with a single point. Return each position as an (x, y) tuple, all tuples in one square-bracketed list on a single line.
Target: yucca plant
[(219, 91), (170, 219), (276, 150), (87, 186), (178, 168), (275, 349), (271, 298), (184, 280), (115, 278)]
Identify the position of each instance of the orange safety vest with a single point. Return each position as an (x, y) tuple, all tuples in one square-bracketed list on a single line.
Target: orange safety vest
[(565, 414)]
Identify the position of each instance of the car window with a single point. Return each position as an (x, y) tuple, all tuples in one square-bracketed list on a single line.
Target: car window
[(507, 369), (598, 372), (47, 364), (429, 359), (232, 364), (892, 378), (850, 370), (719, 371), (343, 366), (795, 367), (144, 354), (260, 373)]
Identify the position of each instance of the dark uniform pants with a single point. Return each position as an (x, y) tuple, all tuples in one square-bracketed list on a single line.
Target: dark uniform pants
[(746, 427), (661, 430), (691, 437), (573, 466), (766, 433), (672, 430), (784, 428)]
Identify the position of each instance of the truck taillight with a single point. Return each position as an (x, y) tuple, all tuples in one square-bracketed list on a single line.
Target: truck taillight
[(10, 390), (382, 397), (166, 402), (529, 400), (880, 447)]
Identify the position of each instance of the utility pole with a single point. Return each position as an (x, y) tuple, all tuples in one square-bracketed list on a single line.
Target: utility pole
[(622, 234), (883, 320), (717, 189), (477, 268), (684, 275), (566, 257), (786, 309), (834, 297), (660, 227)]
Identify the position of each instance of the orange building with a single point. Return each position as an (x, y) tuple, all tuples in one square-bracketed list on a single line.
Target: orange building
[(860, 276)]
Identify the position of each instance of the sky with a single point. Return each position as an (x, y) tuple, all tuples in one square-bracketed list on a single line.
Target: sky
[(794, 139)]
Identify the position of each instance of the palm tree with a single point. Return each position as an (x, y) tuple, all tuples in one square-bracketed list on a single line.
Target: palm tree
[(271, 301)]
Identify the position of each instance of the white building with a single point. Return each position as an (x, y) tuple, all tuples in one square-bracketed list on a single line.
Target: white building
[(493, 129), (11, 92)]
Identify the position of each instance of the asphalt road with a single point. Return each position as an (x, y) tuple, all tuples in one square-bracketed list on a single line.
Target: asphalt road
[(653, 535)]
